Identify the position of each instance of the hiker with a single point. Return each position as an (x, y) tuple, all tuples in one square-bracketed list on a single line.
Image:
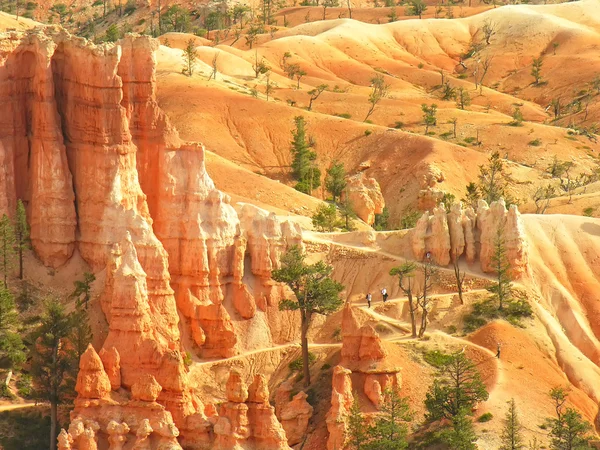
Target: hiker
[(498, 354), (428, 256), (369, 299), (384, 294)]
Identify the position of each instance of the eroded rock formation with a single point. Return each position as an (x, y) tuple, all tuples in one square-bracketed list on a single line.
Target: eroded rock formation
[(365, 196), (364, 353), (247, 420), (293, 412), (104, 416), (446, 236), (341, 402), (86, 147)]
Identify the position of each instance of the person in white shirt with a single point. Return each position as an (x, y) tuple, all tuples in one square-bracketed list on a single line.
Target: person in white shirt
[(384, 294)]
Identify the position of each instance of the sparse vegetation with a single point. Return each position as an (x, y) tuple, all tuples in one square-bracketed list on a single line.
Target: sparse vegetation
[(190, 56), (379, 90)]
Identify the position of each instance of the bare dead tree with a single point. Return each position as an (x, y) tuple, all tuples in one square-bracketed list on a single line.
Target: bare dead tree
[(542, 197), (459, 275), (424, 300)]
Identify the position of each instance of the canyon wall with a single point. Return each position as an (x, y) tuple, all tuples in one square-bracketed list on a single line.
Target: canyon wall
[(103, 173)]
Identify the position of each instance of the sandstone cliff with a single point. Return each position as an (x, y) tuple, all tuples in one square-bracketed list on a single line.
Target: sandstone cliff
[(87, 148)]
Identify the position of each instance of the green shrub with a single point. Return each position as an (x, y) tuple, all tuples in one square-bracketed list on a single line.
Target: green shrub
[(436, 358), (326, 366), (486, 417), (130, 7), (296, 365), (200, 32), (24, 386), (5, 392), (343, 115), (97, 3), (452, 329), (368, 132), (187, 359), (398, 125), (535, 143), (337, 334), (462, 76), (588, 212), (421, 65), (514, 310), (446, 135), (409, 218), (470, 139)]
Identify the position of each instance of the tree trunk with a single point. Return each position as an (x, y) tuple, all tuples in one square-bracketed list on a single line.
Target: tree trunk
[(413, 321), (159, 24), (53, 420), (304, 343), (20, 262), (8, 377)]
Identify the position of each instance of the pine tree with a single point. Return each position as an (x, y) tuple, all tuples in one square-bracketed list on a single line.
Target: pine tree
[(390, 429), (7, 246), (53, 367), (21, 234), (512, 435), (325, 217), (502, 289), (492, 179), (462, 434), (568, 431), (347, 213), (429, 116), (315, 292), (190, 55), (536, 69), (335, 181), (304, 168), (357, 430), (12, 350), (457, 387), (82, 291), (81, 332)]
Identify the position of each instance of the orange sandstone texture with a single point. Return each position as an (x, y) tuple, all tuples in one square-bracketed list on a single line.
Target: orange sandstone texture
[(89, 137)]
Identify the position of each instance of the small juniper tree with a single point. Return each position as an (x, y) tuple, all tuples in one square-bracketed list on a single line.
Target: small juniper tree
[(315, 293), (21, 234), (335, 180), (328, 4), (473, 195), (190, 56), (406, 282), (7, 246), (315, 93), (512, 433), (379, 90), (429, 116)]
